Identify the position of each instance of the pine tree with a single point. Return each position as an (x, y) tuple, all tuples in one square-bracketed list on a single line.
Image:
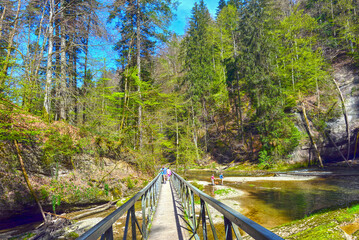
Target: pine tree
[(221, 5)]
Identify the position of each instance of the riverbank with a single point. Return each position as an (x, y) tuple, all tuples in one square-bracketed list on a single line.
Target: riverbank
[(282, 202), (341, 223)]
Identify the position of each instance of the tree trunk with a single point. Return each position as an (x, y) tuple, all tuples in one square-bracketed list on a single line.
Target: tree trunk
[(138, 37), (85, 71), (47, 104), (205, 124), (63, 64), (345, 116), (73, 87), (356, 144), (9, 47), (28, 181), (340, 152), (38, 61), (177, 140), (2, 20), (194, 133), (311, 136)]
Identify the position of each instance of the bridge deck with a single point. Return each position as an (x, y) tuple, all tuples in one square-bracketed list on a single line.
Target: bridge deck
[(166, 222)]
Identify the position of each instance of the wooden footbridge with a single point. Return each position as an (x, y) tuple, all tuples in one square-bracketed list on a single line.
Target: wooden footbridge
[(176, 210)]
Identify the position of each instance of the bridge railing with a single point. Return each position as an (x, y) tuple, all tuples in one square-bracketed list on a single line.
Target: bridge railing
[(233, 220), (148, 196)]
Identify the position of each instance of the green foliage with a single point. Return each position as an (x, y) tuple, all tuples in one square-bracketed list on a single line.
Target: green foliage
[(59, 148), (129, 183), (44, 194), (106, 188), (264, 159), (55, 201)]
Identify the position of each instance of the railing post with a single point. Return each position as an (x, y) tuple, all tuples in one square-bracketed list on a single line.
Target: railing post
[(228, 229), (108, 235), (203, 215), (144, 220), (193, 212), (126, 225), (133, 222)]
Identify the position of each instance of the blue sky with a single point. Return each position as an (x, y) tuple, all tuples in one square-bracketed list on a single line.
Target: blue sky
[(103, 50), (184, 12)]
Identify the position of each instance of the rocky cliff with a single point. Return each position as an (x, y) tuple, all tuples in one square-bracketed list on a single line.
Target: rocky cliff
[(346, 74)]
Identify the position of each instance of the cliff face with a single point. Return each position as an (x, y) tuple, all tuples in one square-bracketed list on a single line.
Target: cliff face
[(346, 74)]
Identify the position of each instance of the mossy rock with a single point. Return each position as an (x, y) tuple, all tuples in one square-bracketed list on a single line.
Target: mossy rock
[(72, 235)]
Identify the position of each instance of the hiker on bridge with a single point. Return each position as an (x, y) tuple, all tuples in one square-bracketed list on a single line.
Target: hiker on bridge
[(164, 174), (169, 173), (212, 178)]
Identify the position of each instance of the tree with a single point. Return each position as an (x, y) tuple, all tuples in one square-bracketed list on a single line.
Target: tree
[(140, 22), (221, 5)]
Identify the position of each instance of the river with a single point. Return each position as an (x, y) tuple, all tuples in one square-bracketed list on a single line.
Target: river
[(273, 201)]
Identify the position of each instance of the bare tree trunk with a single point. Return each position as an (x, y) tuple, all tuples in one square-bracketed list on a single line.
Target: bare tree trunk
[(177, 140), (205, 124), (28, 181), (356, 144), (63, 64), (47, 104), (41, 53), (335, 145), (73, 87), (194, 133), (2, 20), (10, 45), (345, 116), (311, 136), (138, 36), (86, 74)]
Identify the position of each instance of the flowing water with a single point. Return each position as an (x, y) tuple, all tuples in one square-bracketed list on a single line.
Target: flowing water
[(272, 203)]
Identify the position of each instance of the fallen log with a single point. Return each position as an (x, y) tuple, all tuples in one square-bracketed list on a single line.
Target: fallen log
[(94, 210)]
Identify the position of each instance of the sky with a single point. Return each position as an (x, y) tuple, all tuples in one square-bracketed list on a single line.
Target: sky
[(103, 50), (184, 13)]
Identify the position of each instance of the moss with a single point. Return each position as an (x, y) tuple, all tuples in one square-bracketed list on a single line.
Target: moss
[(354, 209), (321, 232), (116, 192), (122, 201), (321, 225), (72, 235), (197, 185), (224, 191)]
